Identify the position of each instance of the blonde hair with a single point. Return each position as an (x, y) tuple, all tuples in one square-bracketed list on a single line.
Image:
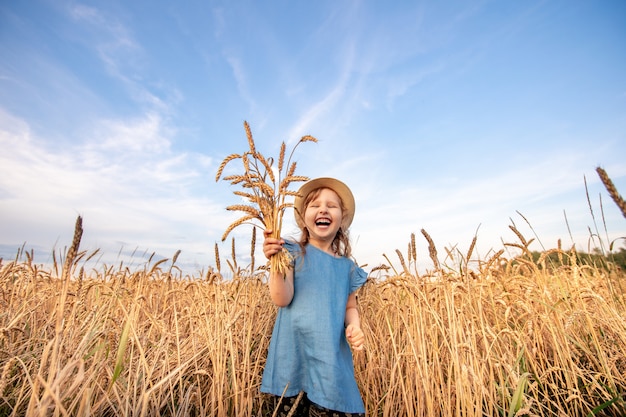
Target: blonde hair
[(341, 242)]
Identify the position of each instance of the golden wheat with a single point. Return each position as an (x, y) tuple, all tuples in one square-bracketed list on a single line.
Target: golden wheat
[(535, 340), (610, 187), (432, 249), (266, 193)]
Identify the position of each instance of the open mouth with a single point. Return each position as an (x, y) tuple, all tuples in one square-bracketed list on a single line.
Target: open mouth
[(322, 222)]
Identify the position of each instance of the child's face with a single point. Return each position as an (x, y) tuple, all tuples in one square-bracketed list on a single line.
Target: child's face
[(323, 216)]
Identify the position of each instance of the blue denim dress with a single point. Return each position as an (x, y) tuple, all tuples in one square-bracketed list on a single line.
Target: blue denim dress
[(308, 350)]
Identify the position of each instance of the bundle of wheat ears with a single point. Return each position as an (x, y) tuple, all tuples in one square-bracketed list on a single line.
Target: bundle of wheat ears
[(266, 190)]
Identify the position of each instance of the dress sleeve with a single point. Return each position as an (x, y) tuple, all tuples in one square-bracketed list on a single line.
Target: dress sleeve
[(357, 278), (294, 250)]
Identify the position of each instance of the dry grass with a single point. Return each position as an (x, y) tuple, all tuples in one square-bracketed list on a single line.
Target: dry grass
[(514, 338), (135, 344), (508, 338)]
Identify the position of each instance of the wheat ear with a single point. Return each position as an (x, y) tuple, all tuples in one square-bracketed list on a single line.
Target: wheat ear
[(610, 187), (265, 190)]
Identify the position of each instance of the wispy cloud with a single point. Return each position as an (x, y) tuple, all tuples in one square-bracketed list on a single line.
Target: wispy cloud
[(318, 109), (452, 212), (114, 42), (124, 58), (328, 103), (146, 134), (125, 181), (400, 84), (241, 80)]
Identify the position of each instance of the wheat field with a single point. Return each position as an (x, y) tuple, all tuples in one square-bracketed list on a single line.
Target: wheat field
[(508, 337)]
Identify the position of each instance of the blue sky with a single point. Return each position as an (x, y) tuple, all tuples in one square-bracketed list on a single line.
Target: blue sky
[(454, 117)]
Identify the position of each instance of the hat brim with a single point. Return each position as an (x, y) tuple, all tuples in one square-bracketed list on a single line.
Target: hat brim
[(337, 186)]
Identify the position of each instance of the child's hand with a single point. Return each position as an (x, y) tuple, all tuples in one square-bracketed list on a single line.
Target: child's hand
[(355, 337), (271, 246)]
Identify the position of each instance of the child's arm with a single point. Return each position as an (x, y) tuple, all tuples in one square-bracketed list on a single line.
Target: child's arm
[(281, 287), (354, 334)]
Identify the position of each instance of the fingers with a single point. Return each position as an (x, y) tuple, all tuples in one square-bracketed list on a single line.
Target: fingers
[(355, 337), (271, 245), (358, 345)]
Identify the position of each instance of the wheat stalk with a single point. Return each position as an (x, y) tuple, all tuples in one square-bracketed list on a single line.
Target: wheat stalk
[(432, 249), (610, 187), (265, 189)]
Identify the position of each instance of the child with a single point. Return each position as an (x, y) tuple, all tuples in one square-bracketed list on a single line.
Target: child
[(318, 319)]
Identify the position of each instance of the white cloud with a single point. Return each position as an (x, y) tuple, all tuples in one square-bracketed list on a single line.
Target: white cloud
[(313, 114), (124, 58), (451, 212), (144, 135), (241, 80), (126, 183)]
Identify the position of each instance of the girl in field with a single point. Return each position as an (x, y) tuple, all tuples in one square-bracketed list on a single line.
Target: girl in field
[(309, 360)]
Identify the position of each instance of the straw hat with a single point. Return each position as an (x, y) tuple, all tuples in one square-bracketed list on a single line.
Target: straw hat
[(337, 186)]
